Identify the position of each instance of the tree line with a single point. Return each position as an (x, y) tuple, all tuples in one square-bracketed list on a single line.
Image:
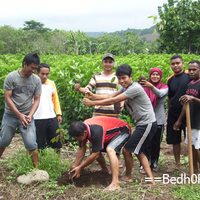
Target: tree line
[(179, 28)]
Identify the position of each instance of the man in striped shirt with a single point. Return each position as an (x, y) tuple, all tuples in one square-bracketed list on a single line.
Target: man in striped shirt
[(104, 85)]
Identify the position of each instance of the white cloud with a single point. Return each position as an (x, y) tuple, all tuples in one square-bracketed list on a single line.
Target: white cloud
[(87, 15)]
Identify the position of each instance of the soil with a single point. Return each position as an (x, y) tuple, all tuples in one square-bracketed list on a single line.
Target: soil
[(92, 177)]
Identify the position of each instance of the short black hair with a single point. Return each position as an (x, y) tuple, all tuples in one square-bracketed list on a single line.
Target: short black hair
[(175, 57), (31, 58), (124, 70), (42, 65), (77, 129), (195, 61)]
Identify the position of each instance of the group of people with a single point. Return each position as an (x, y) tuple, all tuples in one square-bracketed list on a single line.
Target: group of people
[(30, 98), (32, 105)]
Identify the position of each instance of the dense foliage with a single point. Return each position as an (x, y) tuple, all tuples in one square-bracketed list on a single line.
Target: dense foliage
[(34, 37), (67, 69), (180, 24)]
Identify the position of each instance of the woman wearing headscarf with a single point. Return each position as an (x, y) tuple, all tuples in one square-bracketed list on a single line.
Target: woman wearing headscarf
[(157, 92)]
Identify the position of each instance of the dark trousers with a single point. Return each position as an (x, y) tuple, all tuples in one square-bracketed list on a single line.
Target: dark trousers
[(153, 148)]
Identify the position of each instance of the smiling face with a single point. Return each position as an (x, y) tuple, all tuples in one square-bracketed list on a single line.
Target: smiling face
[(155, 77), (194, 71), (108, 64), (125, 81), (43, 74), (177, 66), (29, 69)]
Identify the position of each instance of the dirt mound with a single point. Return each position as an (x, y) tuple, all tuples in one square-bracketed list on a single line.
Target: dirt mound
[(86, 179)]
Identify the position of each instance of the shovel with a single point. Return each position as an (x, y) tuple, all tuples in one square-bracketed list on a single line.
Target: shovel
[(189, 143)]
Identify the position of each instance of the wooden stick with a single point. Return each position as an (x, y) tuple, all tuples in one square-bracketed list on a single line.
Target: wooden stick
[(189, 143)]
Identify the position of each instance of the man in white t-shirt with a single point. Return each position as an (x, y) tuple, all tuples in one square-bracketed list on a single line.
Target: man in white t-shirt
[(48, 115)]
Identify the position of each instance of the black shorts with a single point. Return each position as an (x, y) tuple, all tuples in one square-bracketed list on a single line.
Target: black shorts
[(117, 142), (140, 138), (45, 131), (173, 136)]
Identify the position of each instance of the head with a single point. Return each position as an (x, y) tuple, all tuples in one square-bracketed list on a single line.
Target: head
[(155, 75), (108, 62), (194, 70), (30, 64), (124, 75), (78, 131), (43, 71), (177, 64)]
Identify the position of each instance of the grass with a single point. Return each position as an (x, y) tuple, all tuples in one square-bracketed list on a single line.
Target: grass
[(20, 163)]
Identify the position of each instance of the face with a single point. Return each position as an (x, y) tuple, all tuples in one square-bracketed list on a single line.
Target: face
[(155, 77), (43, 74), (81, 138), (108, 64), (30, 69), (194, 70), (177, 66), (125, 81)]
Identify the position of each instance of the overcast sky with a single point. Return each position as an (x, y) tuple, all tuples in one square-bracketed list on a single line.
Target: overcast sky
[(83, 15)]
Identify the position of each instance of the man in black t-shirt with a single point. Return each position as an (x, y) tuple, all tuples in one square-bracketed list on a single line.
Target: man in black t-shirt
[(193, 97), (177, 84)]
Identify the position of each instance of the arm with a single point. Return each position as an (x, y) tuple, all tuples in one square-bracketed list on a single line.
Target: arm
[(180, 118), (56, 104), (34, 107), (82, 90), (145, 83), (160, 93), (187, 98), (114, 99), (11, 105), (79, 158), (91, 95), (168, 102)]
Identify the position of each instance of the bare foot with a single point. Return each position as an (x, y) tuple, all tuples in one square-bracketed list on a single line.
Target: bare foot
[(112, 187)]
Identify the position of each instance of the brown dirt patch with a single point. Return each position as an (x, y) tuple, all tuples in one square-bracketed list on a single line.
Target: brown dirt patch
[(87, 179), (91, 179)]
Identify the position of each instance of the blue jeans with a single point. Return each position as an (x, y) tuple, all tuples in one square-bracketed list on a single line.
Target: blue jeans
[(8, 128)]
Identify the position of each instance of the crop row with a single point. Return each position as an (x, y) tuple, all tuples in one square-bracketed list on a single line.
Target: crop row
[(67, 69)]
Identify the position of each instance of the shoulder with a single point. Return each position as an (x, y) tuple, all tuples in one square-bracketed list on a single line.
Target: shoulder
[(13, 73), (170, 77), (12, 76), (35, 78), (97, 74), (48, 81)]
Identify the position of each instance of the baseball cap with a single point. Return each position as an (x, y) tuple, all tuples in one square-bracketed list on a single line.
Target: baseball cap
[(108, 55)]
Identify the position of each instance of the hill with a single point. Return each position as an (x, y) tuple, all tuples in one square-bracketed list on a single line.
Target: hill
[(144, 34)]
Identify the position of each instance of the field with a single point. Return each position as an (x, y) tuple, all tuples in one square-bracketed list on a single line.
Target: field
[(65, 71), (91, 182)]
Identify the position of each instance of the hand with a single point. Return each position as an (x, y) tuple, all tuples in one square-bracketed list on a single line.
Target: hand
[(87, 102), (77, 172), (25, 120), (89, 94), (145, 83), (176, 126), (77, 86), (59, 118), (186, 98)]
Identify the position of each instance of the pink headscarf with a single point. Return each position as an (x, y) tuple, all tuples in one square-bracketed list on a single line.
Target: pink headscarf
[(159, 85)]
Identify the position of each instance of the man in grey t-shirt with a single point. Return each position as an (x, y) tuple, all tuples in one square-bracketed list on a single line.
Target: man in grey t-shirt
[(20, 88), (141, 109)]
